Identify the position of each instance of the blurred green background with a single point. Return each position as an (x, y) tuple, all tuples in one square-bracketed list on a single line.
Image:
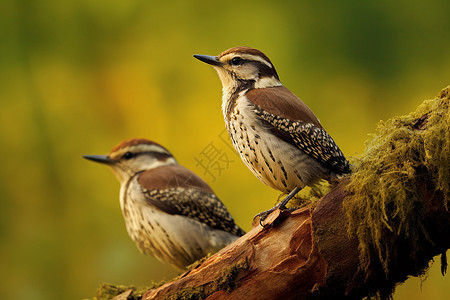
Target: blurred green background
[(78, 76)]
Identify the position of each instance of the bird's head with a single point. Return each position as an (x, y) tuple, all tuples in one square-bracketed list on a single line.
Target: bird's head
[(133, 156), (243, 67)]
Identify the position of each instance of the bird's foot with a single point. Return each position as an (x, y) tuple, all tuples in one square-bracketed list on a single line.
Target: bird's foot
[(264, 214), (281, 206)]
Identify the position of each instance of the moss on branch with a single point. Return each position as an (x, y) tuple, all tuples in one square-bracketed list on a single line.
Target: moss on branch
[(392, 211), (385, 193)]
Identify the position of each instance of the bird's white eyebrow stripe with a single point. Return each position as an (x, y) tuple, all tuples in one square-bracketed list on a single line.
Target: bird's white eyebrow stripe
[(142, 148), (249, 57), (257, 58)]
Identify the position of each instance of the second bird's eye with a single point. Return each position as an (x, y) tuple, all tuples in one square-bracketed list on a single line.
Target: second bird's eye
[(236, 61), (128, 155)]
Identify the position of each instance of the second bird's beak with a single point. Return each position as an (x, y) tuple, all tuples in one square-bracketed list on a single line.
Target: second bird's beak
[(211, 60), (104, 159)]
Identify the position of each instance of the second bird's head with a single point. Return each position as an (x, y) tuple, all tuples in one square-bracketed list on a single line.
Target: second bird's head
[(243, 67), (134, 156)]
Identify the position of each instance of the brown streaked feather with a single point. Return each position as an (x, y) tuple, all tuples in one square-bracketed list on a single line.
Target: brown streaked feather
[(172, 176), (245, 50), (195, 199), (195, 204), (134, 142), (280, 101), (165, 206), (312, 140)]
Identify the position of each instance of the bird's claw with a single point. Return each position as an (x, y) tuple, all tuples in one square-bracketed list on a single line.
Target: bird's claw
[(264, 214)]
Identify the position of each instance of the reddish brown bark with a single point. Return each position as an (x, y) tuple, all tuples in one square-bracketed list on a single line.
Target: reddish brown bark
[(274, 261), (304, 254), (308, 254)]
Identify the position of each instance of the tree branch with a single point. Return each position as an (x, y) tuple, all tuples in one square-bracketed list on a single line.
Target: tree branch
[(313, 254)]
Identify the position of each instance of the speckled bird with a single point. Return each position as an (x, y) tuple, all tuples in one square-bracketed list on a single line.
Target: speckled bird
[(169, 211), (277, 136)]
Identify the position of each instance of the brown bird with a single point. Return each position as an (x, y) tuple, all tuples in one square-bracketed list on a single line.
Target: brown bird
[(169, 211), (277, 136)]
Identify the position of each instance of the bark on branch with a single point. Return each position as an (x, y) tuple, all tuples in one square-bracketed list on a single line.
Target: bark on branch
[(304, 255), (309, 253)]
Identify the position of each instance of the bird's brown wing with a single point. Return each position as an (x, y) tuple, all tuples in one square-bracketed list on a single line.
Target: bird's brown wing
[(280, 101), (309, 138), (172, 176), (181, 192), (287, 117), (194, 204)]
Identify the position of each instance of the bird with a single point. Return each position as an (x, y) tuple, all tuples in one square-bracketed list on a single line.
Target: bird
[(276, 134), (169, 211)]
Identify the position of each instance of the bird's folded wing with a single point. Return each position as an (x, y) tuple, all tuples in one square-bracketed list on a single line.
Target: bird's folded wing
[(195, 204), (312, 140), (281, 102)]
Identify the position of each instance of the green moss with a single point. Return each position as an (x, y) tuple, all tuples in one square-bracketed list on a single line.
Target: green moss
[(229, 277), (227, 281), (191, 293), (197, 263), (108, 291), (384, 193), (308, 196)]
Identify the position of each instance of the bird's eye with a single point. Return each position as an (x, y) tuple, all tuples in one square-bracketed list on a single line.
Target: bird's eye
[(128, 155), (236, 61)]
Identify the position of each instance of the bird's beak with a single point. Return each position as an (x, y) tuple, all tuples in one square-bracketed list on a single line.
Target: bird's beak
[(211, 60), (104, 159)]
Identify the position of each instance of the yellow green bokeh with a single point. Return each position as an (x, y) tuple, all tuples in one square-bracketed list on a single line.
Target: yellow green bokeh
[(78, 76)]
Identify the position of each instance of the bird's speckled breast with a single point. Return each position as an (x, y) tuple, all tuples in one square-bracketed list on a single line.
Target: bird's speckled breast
[(276, 163), (175, 239)]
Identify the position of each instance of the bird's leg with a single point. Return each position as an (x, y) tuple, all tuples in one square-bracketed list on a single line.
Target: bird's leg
[(282, 206)]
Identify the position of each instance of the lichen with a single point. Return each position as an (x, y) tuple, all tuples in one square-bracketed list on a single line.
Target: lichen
[(384, 193)]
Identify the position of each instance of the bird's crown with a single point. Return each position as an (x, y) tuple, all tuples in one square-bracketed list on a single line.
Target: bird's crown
[(246, 53), (132, 147)]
